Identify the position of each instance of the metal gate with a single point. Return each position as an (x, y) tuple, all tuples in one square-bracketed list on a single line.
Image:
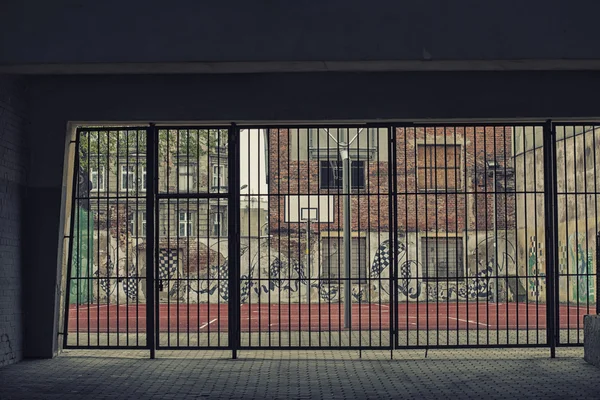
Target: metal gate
[(332, 236), (470, 224), (315, 209)]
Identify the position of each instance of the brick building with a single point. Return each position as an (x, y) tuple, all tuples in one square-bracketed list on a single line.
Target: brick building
[(446, 201)]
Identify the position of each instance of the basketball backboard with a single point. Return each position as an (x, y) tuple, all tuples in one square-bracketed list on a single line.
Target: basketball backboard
[(302, 208)]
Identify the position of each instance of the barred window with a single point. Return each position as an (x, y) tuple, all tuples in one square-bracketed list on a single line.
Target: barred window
[(331, 173), (442, 257), (438, 167)]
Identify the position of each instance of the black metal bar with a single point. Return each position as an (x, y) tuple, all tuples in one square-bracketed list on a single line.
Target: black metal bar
[(289, 242), (594, 146), (224, 196), (279, 209), (151, 187), (118, 228), (178, 222), (587, 229), (393, 239), (550, 199), (308, 247), (597, 272), (390, 195), (234, 258), (319, 248), (576, 212), (154, 185)]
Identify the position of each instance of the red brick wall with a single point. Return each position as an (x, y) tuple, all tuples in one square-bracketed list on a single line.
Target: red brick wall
[(417, 209)]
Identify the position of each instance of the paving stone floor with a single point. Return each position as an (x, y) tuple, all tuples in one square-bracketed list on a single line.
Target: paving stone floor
[(464, 373)]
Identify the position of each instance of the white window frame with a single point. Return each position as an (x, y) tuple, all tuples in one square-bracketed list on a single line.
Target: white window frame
[(141, 224), (218, 176), (99, 172), (185, 224), (127, 184), (185, 177), (144, 177), (132, 225), (217, 223)]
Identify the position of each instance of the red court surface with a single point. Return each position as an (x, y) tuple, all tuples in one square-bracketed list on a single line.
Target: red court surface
[(324, 317)]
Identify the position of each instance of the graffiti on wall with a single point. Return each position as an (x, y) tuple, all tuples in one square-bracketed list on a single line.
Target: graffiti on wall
[(581, 264), (411, 286), (537, 275), (282, 276)]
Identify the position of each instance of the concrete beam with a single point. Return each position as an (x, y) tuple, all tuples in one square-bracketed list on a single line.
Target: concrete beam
[(298, 66)]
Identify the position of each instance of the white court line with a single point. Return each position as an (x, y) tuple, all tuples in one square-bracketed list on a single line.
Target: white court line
[(382, 305), (208, 323), (473, 322), (94, 306)]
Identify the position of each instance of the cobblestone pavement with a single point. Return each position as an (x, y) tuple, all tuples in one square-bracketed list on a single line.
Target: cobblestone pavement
[(465, 373)]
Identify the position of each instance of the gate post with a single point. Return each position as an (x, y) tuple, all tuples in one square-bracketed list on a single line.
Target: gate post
[(151, 186), (233, 254), (393, 237), (551, 222)]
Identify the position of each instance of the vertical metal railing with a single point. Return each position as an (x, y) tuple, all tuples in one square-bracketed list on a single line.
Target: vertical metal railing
[(454, 257), (577, 144), (102, 307)]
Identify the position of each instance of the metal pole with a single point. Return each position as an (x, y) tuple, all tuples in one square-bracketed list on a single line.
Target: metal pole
[(346, 190)]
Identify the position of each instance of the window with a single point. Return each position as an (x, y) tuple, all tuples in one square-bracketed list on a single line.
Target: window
[(143, 225), (218, 223), (438, 167), (132, 224), (97, 178), (144, 178), (203, 228), (333, 258), (185, 224), (219, 176), (186, 178), (442, 257), (331, 175), (218, 138), (127, 177), (137, 224)]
